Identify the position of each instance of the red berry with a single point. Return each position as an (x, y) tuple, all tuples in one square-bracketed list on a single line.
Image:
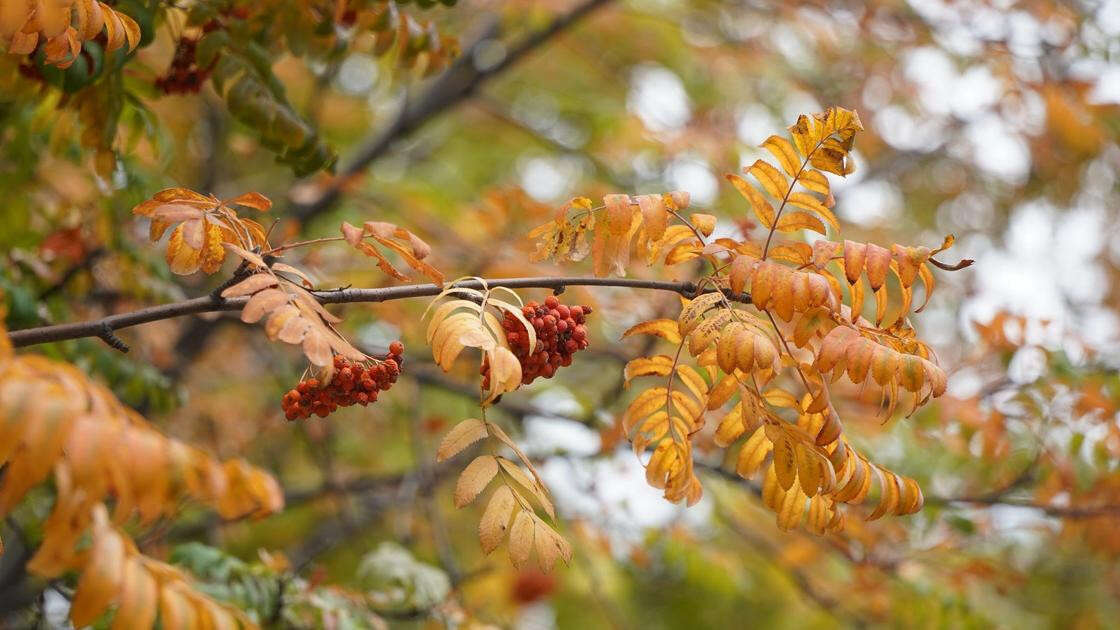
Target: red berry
[(353, 384), (396, 348), (551, 301)]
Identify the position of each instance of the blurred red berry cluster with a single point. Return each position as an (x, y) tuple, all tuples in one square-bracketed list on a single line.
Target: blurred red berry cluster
[(184, 76), (560, 334), (353, 384)]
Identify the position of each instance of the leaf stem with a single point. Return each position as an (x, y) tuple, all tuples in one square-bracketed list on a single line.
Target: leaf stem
[(789, 191)]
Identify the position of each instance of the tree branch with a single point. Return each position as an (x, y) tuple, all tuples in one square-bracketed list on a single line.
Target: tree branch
[(452, 87), (209, 303)]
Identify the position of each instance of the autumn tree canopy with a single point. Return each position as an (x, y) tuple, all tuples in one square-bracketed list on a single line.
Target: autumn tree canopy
[(378, 313)]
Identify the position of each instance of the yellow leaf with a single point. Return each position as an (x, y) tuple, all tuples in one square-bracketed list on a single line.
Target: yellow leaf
[(101, 579), (532, 485), (505, 370), (808, 469), (654, 216), (792, 507), (659, 365), (495, 519), (521, 539), (794, 221), (476, 476), (815, 181), (773, 181), (693, 311), (138, 599), (646, 403), (705, 223), (784, 152), (683, 252), (811, 203), (889, 493), (761, 207), (752, 453), (252, 200), (741, 269), (667, 329), (549, 546), (785, 464), (695, 383), (460, 437)]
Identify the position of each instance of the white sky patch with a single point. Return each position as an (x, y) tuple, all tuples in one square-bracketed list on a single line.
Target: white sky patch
[(906, 132), (657, 96), (1047, 268), (549, 179), (1108, 17), (1107, 87), (998, 150), (694, 176), (755, 124), (870, 203), (796, 104), (974, 92), (358, 74), (932, 72), (550, 435), (611, 491), (613, 494), (791, 45)]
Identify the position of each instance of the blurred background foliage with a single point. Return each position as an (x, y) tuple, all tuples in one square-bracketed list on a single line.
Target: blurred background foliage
[(994, 120)]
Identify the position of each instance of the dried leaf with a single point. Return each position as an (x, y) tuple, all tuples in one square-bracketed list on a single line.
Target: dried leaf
[(495, 523), (474, 478), (460, 437), (521, 539)]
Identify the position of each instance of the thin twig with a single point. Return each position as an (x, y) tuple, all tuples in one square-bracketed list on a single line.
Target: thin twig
[(458, 83)]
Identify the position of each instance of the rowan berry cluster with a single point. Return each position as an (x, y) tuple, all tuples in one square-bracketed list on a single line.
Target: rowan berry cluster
[(354, 383), (560, 334)]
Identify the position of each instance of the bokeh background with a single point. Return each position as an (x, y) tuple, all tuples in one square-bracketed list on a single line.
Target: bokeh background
[(994, 121)]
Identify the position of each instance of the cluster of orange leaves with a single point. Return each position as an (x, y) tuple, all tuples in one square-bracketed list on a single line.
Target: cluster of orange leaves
[(410, 248), (204, 227), (621, 225), (803, 329), (61, 26), (57, 423)]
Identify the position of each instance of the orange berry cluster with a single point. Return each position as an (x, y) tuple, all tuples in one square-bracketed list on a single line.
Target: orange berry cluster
[(353, 384), (560, 334)]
